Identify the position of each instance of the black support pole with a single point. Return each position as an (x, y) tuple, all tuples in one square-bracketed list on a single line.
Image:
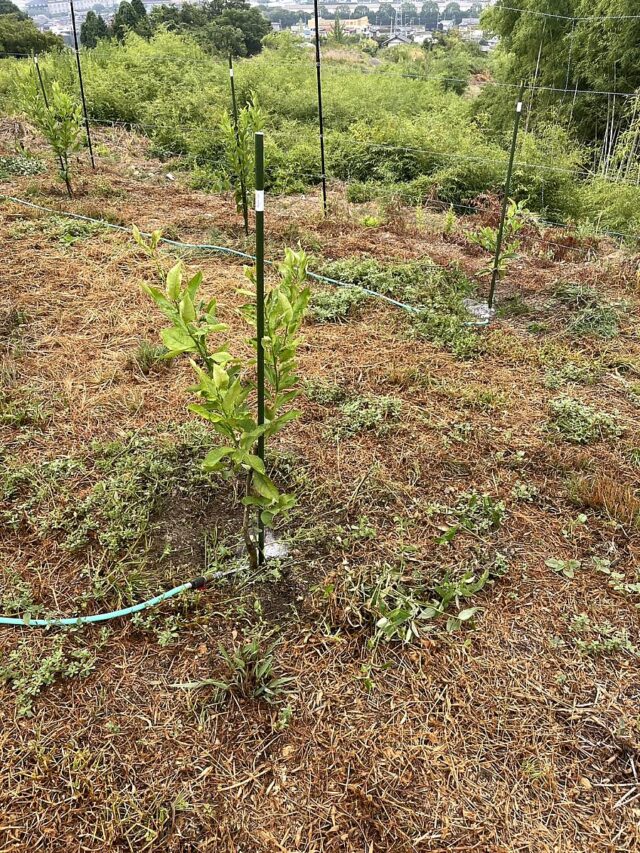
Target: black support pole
[(505, 201), (259, 211), (320, 115), (243, 188), (79, 64), (41, 81)]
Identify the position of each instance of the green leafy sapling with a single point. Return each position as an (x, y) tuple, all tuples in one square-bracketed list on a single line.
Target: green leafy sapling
[(224, 383), (284, 308), (151, 247), (239, 152), (59, 121), (487, 238)]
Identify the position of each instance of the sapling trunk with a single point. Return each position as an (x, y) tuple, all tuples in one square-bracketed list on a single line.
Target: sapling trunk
[(67, 180), (252, 551)]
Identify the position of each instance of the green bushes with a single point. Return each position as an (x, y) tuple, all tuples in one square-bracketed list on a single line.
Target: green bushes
[(384, 132)]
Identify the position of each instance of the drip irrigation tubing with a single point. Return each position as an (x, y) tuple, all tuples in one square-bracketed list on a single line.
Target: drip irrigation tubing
[(225, 250), (64, 621)]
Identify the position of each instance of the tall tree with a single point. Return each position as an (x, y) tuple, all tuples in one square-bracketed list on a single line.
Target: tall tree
[(585, 44), (429, 15), (9, 8), (22, 36), (93, 28), (452, 12), (338, 31)]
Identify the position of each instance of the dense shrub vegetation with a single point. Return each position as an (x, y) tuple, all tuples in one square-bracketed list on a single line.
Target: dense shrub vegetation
[(408, 125)]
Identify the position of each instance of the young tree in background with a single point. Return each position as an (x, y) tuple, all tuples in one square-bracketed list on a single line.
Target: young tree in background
[(93, 29)]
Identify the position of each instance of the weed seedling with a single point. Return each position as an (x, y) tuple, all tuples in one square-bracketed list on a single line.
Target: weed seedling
[(566, 568)]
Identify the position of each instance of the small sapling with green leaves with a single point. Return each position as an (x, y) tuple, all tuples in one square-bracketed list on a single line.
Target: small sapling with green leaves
[(487, 238), (59, 121), (225, 382), (239, 152)]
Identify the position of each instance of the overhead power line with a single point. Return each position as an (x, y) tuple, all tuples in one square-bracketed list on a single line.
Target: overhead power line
[(569, 17)]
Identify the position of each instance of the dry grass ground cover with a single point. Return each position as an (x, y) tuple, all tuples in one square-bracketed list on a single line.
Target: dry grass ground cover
[(515, 460)]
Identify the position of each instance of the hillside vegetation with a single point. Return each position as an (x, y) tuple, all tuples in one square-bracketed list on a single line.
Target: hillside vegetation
[(411, 124)]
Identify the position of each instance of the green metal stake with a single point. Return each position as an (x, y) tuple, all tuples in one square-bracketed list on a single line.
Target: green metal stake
[(259, 210), (505, 201), (84, 102), (243, 187)]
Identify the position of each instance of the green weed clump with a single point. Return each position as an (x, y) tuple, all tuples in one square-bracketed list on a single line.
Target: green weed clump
[(395, 608), (581, 424), (29, 675), (249, 672), (367, 413), (68, 231), (596, 640), (437, 295), (20, 164), (479, 512), (129, 479), (149, 357), (335, 306), (324, 393), (592, 314), (19, 407), (571, 372)]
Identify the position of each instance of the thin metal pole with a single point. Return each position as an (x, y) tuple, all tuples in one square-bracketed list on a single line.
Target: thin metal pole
[(243, 187), (320, 114), (41, 81), (44, 97), (505, 201), (259, 211), (84, 102)]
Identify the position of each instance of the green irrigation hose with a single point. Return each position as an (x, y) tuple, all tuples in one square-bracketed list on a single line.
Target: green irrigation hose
[(196, 583), (225, 250)]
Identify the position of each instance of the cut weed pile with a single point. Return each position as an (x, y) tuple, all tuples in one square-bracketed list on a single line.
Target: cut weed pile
[(447, 656)]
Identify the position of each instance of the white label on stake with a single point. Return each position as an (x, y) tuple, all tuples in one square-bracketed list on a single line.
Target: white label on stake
[(259, 201), (519, 107), (231, 72)]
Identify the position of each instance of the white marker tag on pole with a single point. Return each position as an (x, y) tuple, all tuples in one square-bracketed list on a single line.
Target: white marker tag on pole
[(259, 201), (519, 107), (231, 72)]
